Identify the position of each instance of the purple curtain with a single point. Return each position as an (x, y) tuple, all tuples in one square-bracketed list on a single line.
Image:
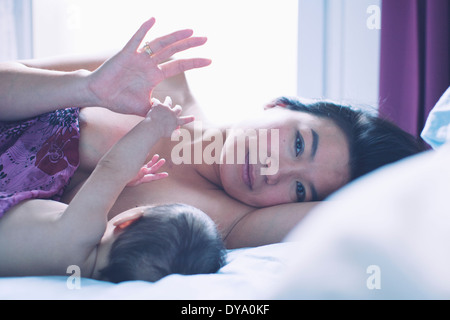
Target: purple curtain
[(415, 59)]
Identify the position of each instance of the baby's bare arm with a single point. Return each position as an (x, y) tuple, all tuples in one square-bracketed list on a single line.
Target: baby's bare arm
[(119, 166)]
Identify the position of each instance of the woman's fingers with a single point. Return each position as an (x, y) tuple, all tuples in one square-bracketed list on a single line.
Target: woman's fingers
[(175, 67), (166, 46), (162, 47), (167, 40), (135, 41), (165, 53)]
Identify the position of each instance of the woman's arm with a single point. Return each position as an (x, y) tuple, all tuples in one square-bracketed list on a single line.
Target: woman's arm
[(267, 225), (68, 63), (26, 92), (124, 83), (177, 87)]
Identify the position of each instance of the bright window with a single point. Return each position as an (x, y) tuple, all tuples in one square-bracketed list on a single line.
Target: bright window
[(253, 43), (261, 49)]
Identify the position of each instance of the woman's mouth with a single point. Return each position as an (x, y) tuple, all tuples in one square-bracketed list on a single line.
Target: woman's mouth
[(246, 172)]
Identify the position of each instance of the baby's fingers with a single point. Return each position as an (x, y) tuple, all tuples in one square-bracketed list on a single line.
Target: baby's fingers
[(153, 177), (154, 164), (168, 101), (185, 120), (177, 109), (153, 160)]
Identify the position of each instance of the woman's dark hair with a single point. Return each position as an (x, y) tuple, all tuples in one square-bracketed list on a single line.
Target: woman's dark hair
[(167, 239), (373, 141)]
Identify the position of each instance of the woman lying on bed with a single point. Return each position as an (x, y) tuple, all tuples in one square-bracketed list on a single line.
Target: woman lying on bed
[(45, 237), (321, 146)]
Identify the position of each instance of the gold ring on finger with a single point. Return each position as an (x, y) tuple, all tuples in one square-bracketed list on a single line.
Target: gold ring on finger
[(147, 49)]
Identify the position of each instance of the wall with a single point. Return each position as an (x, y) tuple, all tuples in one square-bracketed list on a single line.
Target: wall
[(339, 50)]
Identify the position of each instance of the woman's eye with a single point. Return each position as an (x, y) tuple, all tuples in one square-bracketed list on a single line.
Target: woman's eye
[(300, 191), (299, 144)]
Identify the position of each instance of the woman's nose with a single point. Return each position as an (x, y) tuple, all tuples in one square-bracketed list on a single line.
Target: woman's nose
[(272, 179), (282, 172), (271, 176)]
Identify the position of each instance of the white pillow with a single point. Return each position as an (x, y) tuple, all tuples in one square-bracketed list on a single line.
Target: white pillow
[(437, 127)]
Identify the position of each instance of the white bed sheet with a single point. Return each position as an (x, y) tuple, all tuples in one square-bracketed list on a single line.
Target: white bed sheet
[(250, 273)]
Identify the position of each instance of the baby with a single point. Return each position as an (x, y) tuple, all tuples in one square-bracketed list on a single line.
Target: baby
[(44, 237)]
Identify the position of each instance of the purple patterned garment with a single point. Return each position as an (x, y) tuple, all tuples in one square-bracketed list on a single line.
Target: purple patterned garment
[(38, 156)]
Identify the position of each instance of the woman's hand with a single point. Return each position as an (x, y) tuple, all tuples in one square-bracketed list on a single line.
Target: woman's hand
[(125, 82)]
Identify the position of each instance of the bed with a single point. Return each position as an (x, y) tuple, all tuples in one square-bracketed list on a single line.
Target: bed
[(384, 236)]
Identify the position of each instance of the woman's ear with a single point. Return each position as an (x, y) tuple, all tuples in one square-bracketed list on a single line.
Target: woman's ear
[(125, 219)]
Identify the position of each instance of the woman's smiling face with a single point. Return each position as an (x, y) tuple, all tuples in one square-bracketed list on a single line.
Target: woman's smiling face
[(311, 158)]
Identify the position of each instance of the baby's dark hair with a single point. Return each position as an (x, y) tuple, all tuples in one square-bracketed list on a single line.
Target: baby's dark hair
[(373, 141), (167, 239)]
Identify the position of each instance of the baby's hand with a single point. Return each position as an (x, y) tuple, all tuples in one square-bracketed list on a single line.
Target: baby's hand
[(166, 117), (148, 172)]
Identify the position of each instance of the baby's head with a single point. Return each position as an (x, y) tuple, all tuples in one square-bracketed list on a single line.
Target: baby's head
[(166, 239)]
